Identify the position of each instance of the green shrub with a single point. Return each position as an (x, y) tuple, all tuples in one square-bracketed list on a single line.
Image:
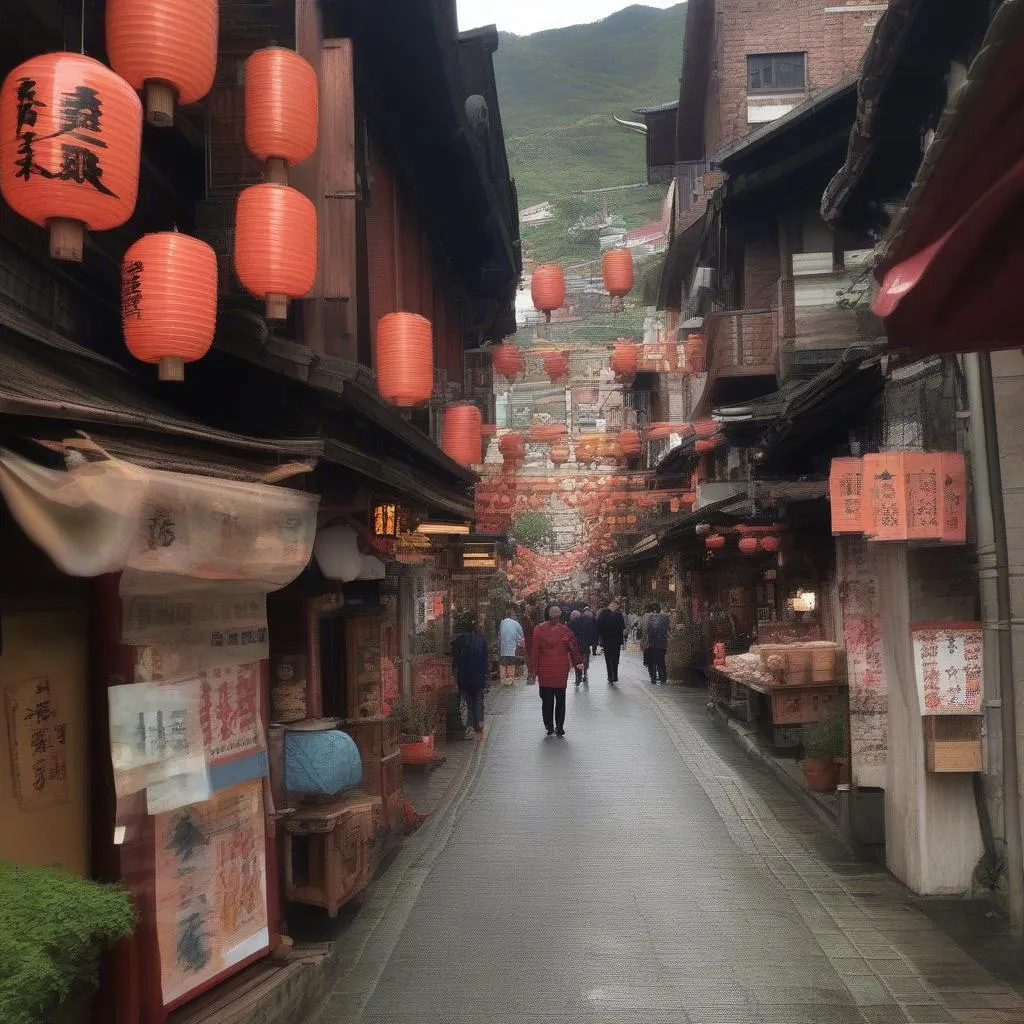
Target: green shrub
[(415, 718), (53, 929), (826, 738)]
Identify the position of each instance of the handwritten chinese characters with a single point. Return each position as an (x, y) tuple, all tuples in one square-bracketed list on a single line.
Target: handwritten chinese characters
[(844, 493), (210, 888), (948, 666), (38, 737), (77, 123)]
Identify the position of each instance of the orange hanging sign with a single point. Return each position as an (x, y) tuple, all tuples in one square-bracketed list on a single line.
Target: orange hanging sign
[(954, 498), (884, 496), (844, 495)]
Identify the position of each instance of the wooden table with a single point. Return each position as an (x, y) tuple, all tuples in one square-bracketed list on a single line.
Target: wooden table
[(327, 851)]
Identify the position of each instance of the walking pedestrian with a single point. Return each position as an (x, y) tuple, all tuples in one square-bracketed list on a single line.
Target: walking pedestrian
[(585, 631), (511, 646), (553, 654), (656, 627), (611, 631), (469, 666)]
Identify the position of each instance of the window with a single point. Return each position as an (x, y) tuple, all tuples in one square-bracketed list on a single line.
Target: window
[(775, 72)]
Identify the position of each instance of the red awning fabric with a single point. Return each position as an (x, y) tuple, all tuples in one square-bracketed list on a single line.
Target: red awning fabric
[(965, 291)]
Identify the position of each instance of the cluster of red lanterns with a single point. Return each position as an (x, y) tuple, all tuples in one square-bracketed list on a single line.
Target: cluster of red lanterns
[(768, 544)]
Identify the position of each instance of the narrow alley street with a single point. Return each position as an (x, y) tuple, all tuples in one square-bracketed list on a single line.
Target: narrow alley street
[(641, 869)]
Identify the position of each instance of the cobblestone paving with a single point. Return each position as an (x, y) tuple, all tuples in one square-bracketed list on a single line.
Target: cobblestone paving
[(641, 870)]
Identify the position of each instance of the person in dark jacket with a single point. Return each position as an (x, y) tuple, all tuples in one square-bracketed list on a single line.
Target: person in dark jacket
[(585, 631), (553, 653), (611, 631), (469, 666), (656, 626)]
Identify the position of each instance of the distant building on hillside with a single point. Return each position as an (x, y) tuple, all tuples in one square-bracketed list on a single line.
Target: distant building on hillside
[(536, 214), (648, 240)]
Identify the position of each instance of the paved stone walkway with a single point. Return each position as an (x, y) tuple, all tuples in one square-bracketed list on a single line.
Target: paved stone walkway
[(641, 870)]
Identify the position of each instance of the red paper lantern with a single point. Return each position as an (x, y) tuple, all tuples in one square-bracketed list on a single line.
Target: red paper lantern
[(629, 443), (512, 448), (769, 545), (705, 428), (169, 301), (60, 182), (617, 266), (626, 358), (462, 434), (545, 433), (166, 47), (508, 360), (405, 359), (275, 245), (282, 106), (714, 542), (556, 366), (547, 288), (747, 545), (704, 445), (560, 454)]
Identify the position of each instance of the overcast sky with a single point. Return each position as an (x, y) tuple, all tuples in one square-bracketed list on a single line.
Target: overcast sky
[(526, 16)]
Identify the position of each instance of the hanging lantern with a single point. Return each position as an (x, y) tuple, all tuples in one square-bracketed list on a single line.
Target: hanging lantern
[(704, 445), (275, 245), (461, 435), (625, 359), (169, 301), (769, 545), (545, 433), (714, 542), (281, 109), (70, 145), (512, 449), (405, 359), (617, 266), (695, 353), (337, 553), (168, 48), (547, 288), (747, 545), (508, 360), (556, 366), (559, 454), (705, 428), (629, 443)]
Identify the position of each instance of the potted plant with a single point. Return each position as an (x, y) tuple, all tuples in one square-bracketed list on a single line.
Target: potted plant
[(824, 743), (415, 718)]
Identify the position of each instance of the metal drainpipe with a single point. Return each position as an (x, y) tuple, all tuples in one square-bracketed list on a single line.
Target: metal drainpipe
[(991, 526)]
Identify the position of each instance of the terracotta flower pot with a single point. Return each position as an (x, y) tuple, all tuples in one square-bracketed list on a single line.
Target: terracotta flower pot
[(419, 752), (821, 773)]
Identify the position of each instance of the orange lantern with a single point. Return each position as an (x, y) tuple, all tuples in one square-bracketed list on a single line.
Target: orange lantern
[(275, 245), (405, 359), (560, 454), (169, 301), (769, 545), (70, 144), (714, 542), (512, 448), (695, 353), (704, 445), (617, 267), (747, 545), (629, 443), (547, 288), (508, 360), (281, 109), (462, 433), (545, 433), (556, 366), (626, 358), (166, 47), (705, 428)]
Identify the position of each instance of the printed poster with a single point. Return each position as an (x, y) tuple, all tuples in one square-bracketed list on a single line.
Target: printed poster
[(948, 667), (211, 888), (37, 733)]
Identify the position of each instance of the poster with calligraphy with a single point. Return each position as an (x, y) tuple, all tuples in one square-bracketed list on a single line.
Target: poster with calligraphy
[(948, 665), (865, 666), (37, 733), (884, 496), (229, 711), (844, 495), (954, 498), (211, 888)]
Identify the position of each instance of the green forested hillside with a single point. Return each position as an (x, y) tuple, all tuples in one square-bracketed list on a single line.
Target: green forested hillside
[(560, 89)]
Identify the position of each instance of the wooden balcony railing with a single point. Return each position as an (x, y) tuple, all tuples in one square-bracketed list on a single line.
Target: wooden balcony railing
[(743, 342)]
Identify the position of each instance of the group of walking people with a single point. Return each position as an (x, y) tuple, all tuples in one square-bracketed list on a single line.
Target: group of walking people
[(561, 643)]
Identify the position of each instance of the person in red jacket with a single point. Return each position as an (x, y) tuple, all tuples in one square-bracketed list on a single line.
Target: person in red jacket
[(553, 652)]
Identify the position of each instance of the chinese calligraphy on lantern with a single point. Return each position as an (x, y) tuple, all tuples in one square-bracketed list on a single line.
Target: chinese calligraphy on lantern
[(211, 899), (77, 124), (38, 736), (949, 667)]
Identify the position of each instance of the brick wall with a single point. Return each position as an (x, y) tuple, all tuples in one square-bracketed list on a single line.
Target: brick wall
[(761, 268), (833, 43)]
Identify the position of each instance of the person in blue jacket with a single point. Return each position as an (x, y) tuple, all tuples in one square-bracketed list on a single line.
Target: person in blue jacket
[(469, 666), (585, 629)]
